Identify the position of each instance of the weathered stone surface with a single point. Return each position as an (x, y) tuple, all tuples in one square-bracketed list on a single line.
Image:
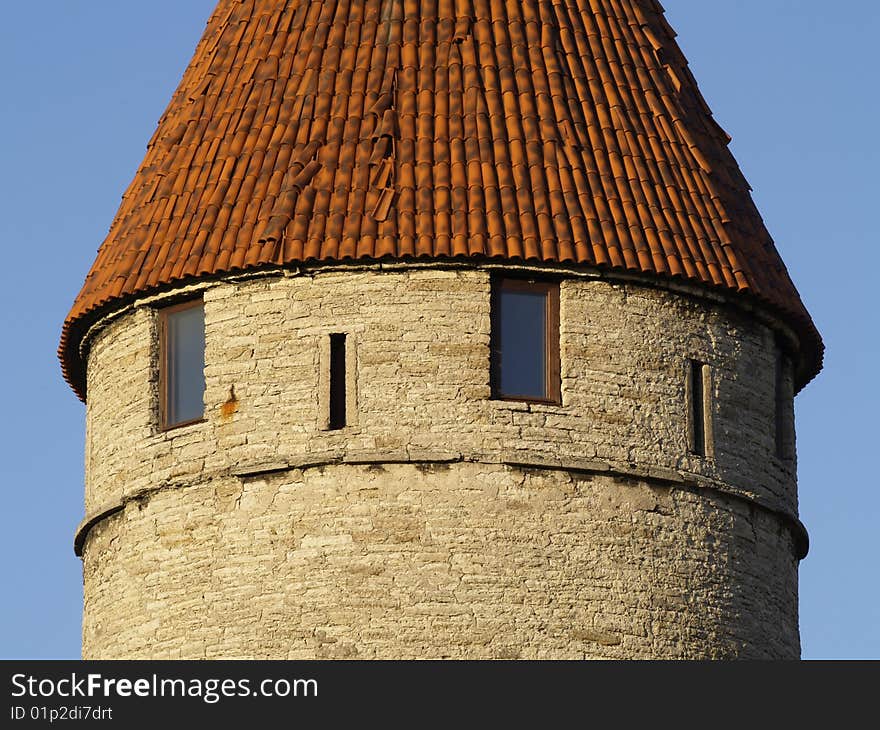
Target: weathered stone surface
[(407, 563), (516, 532)]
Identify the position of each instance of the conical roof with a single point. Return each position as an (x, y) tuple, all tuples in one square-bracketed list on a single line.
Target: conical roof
[(567, 132)]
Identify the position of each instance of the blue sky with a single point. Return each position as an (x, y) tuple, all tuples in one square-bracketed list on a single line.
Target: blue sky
[(794, 83)]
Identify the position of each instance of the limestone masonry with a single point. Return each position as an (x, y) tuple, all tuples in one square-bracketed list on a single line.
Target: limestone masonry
[(443, 523)]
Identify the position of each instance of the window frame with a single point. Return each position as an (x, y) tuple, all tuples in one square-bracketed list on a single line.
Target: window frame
[(552, 363), (698, 407), (164, 376)]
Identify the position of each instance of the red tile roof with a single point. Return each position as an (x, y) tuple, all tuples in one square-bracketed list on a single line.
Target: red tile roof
[(565, 131)]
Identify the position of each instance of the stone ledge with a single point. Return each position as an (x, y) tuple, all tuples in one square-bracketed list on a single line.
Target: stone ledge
[(669, 477), (82, 530)]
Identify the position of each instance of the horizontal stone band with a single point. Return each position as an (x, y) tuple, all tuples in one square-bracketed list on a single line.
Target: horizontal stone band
[(665, 476)]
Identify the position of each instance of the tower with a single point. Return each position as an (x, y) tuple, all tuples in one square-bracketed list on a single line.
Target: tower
[(439, 329)]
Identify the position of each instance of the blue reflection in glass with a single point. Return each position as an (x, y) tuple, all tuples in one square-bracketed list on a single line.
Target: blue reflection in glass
[(185, 360), (522, 338)]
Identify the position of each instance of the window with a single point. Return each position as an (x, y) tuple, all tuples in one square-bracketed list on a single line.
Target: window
[(182, 364), (784, 426), (337, 382), (525, 340), (698, 392)]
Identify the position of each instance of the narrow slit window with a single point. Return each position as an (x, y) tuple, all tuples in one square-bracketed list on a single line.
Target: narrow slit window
[(182, 364), (337, 381), (698, 395), (782, 409), (525, 341)]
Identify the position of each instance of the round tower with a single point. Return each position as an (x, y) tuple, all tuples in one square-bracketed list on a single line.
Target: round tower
[(439, 330)]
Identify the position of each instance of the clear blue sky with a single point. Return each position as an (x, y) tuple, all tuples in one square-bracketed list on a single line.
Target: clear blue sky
[(793, 81)]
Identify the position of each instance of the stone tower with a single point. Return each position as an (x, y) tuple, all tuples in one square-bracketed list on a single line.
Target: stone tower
[(439, 328)]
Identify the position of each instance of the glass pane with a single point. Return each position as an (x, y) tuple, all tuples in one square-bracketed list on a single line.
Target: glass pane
[(185, 363), (521, 342)]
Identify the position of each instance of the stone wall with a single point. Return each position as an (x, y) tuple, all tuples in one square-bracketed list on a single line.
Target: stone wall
[(515, 530), (445, 560)]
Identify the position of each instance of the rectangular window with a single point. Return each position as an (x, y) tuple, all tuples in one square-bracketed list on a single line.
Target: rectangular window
[(337, 381), (698, 391), (783, 427), (525, 340), (182, 363)]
